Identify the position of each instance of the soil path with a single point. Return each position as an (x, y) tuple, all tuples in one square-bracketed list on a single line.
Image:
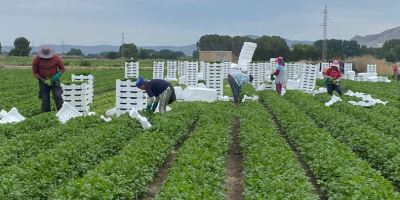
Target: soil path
[(234, 166)]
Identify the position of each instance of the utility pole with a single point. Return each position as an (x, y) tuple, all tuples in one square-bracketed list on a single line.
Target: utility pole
[(325, 33), (122, 47)]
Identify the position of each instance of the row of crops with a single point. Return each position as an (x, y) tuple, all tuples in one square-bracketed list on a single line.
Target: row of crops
[(353, 152)]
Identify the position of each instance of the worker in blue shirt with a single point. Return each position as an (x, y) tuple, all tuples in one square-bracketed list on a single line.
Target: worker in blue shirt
[(237, 80), (159, 91)]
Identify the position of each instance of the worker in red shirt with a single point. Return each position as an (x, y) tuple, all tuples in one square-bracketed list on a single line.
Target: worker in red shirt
[(333, 76), (47, 67), (396, 72)]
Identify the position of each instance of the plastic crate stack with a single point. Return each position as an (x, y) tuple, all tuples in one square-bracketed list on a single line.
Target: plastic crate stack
[(171, 69), (129, 96), (191, 70), (371, 68), (227, 68), (215, 77), (290, 71), (89, 79), (323, 66), (308, 77), (246, 55), (132, 70), (348, 67), (158, 70), (257, 72), (77, 96), (181, 68)]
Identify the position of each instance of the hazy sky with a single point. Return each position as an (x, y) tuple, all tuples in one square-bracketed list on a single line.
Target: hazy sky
[(183, 22)]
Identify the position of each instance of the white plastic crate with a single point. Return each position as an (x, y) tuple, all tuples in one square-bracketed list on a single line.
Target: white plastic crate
[(158, 70), (12, 117), (371, 68), (67, 112), (171, 69)]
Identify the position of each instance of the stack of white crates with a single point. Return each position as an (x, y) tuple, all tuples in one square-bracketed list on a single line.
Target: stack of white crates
[(171, 69), (371, 68), (191, 76), (258, 71), (77, 96), (158, 70), (227, 68), (348, 67), (323, 66), (214, 77), (246, 55), (132, 70), (181, 68), (308, 77), (290, 71), (129, 96), (89, 79)]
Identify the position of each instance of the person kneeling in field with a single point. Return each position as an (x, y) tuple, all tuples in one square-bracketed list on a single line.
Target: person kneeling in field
[(396, 72), (159, 91), (333, 76), (47, 67)]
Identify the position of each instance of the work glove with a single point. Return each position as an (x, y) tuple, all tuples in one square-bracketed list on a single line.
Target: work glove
[(155, 104), (55, 77), (148, 107), (272, 77)]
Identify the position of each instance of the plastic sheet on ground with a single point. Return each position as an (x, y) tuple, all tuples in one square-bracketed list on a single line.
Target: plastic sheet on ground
[(12, 117), (333, 100), (366, 101), (199, 94)]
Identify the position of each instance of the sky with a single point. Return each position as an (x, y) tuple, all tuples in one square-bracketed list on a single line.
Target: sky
[(183, 22)]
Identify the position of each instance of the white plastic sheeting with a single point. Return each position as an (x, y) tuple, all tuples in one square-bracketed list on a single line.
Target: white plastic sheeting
[(199, 94)]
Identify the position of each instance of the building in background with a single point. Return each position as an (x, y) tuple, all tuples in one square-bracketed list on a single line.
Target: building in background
[(215, 56)]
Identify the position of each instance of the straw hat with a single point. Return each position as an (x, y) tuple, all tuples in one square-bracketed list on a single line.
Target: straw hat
[(46, 51)]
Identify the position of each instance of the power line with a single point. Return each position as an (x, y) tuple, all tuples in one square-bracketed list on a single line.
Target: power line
[(325, 35)]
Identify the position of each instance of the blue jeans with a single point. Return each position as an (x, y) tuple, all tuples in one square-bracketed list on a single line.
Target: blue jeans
[(332, 87)]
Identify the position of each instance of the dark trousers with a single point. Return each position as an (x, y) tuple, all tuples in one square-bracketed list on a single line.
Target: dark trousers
[(234, 88), (332, 87), (278, 88), (44, 95), (398, 77)]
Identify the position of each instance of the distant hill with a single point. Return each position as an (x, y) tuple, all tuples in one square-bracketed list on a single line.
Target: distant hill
[(288, 42), (377, 40), (187, 50)]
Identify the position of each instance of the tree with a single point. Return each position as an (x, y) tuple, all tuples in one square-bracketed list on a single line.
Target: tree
[(391, 55), (128, 50), (111, 55), (214, 43), (364, 50), (351, 48), (21, 47), (195, 54), (74, 52), (0, 48)]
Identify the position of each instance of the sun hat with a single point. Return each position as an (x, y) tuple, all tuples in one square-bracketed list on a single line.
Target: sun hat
[(46, 51), (140, 81), (394, 67), (334, 64)]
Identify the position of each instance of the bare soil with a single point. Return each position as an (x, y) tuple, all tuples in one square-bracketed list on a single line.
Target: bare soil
[(234, 166), (303, 164), (162, 174)]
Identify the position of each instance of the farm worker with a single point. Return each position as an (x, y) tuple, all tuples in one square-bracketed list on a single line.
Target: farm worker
[(333, 76), (396, 72), (237, 80), (47, 67), (160, 92), (280, 73)]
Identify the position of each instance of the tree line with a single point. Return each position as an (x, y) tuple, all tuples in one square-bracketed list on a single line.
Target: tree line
[(22, 48), (274, 46), (267, 47)]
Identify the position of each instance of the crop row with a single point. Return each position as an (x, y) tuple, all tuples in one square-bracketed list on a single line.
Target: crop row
[(199, 169), (127, 175), (37, 177), (339, 171), (270, 168), (381, 151)]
